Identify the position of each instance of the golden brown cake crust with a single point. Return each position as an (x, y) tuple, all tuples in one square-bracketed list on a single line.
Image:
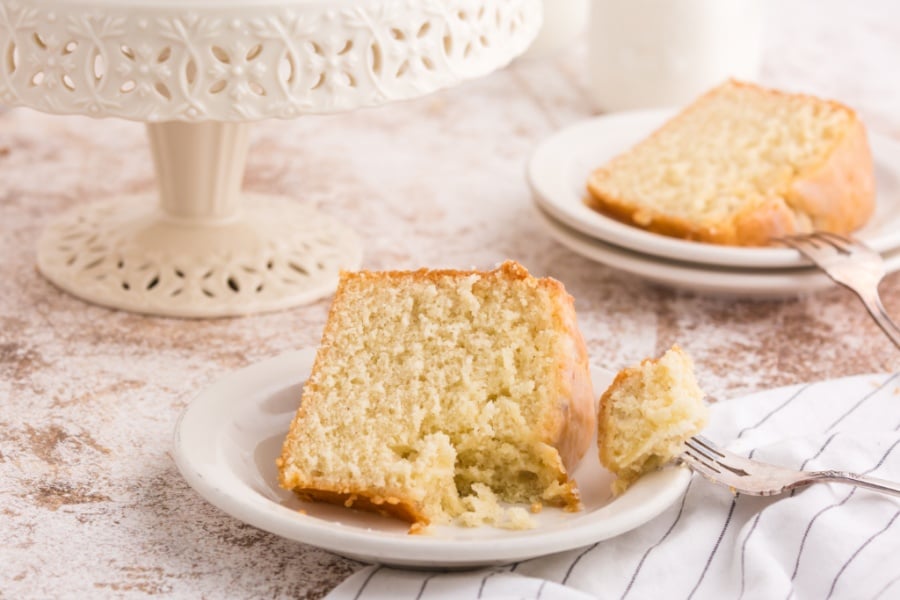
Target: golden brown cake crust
[(389, 506), (573, 427), (837, 195), (569, 426)]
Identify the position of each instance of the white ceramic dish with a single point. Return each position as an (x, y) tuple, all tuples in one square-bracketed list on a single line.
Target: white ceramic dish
[(558, 171), (750, 283), (227, 439)]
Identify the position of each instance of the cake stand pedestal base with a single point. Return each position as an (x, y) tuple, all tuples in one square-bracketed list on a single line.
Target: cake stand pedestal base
[(205, 249)]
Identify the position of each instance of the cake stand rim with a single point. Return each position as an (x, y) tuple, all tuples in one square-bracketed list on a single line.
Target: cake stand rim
[(211, 5), (432, 73)]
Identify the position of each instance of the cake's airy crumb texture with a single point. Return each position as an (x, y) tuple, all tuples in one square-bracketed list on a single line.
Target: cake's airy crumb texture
[(647, 414), (482, 507), (743, 164), (433, 388)]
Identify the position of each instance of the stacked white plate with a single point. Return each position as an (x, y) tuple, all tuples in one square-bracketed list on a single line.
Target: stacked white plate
[(558, 171)]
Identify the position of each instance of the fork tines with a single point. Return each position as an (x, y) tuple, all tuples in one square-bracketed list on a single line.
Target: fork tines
[(839, 242), (704, 453), (700, 456), (701, 444)]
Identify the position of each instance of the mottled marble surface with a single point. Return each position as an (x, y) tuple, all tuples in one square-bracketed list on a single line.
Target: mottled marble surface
[(90, 499)]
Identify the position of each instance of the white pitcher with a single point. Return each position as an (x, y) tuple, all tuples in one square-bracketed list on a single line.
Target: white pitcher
[(646, 53)]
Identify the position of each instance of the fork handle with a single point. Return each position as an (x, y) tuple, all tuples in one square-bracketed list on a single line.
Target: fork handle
[(876, 309), (873, 483)]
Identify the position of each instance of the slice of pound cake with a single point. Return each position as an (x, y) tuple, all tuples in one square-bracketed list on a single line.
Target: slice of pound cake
[(743, 164), (647, 414), (435, 393)]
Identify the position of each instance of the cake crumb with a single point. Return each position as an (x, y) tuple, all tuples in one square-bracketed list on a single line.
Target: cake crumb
[(537, 507), (517, 518), (483, 508)]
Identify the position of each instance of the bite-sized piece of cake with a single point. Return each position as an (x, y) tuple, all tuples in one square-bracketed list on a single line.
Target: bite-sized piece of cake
[(647, 414), (743, 164), (428, 383)]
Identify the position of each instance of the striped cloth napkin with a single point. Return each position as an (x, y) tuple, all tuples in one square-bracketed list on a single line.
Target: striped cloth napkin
[(824, 541)]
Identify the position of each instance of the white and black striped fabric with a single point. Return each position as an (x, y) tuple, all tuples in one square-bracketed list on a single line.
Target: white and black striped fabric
[(826, 541)]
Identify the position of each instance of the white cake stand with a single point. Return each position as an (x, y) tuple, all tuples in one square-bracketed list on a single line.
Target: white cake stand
[(198, 72)]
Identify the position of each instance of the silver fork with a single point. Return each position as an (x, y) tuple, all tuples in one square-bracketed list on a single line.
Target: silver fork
[(852, 264), (757, 478)]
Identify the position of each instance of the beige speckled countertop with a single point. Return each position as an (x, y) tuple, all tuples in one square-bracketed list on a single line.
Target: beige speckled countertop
[(91, 502)]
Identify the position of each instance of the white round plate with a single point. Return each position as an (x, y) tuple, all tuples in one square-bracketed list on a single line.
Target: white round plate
[(558, 172), (752, 283), (227, 439)]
